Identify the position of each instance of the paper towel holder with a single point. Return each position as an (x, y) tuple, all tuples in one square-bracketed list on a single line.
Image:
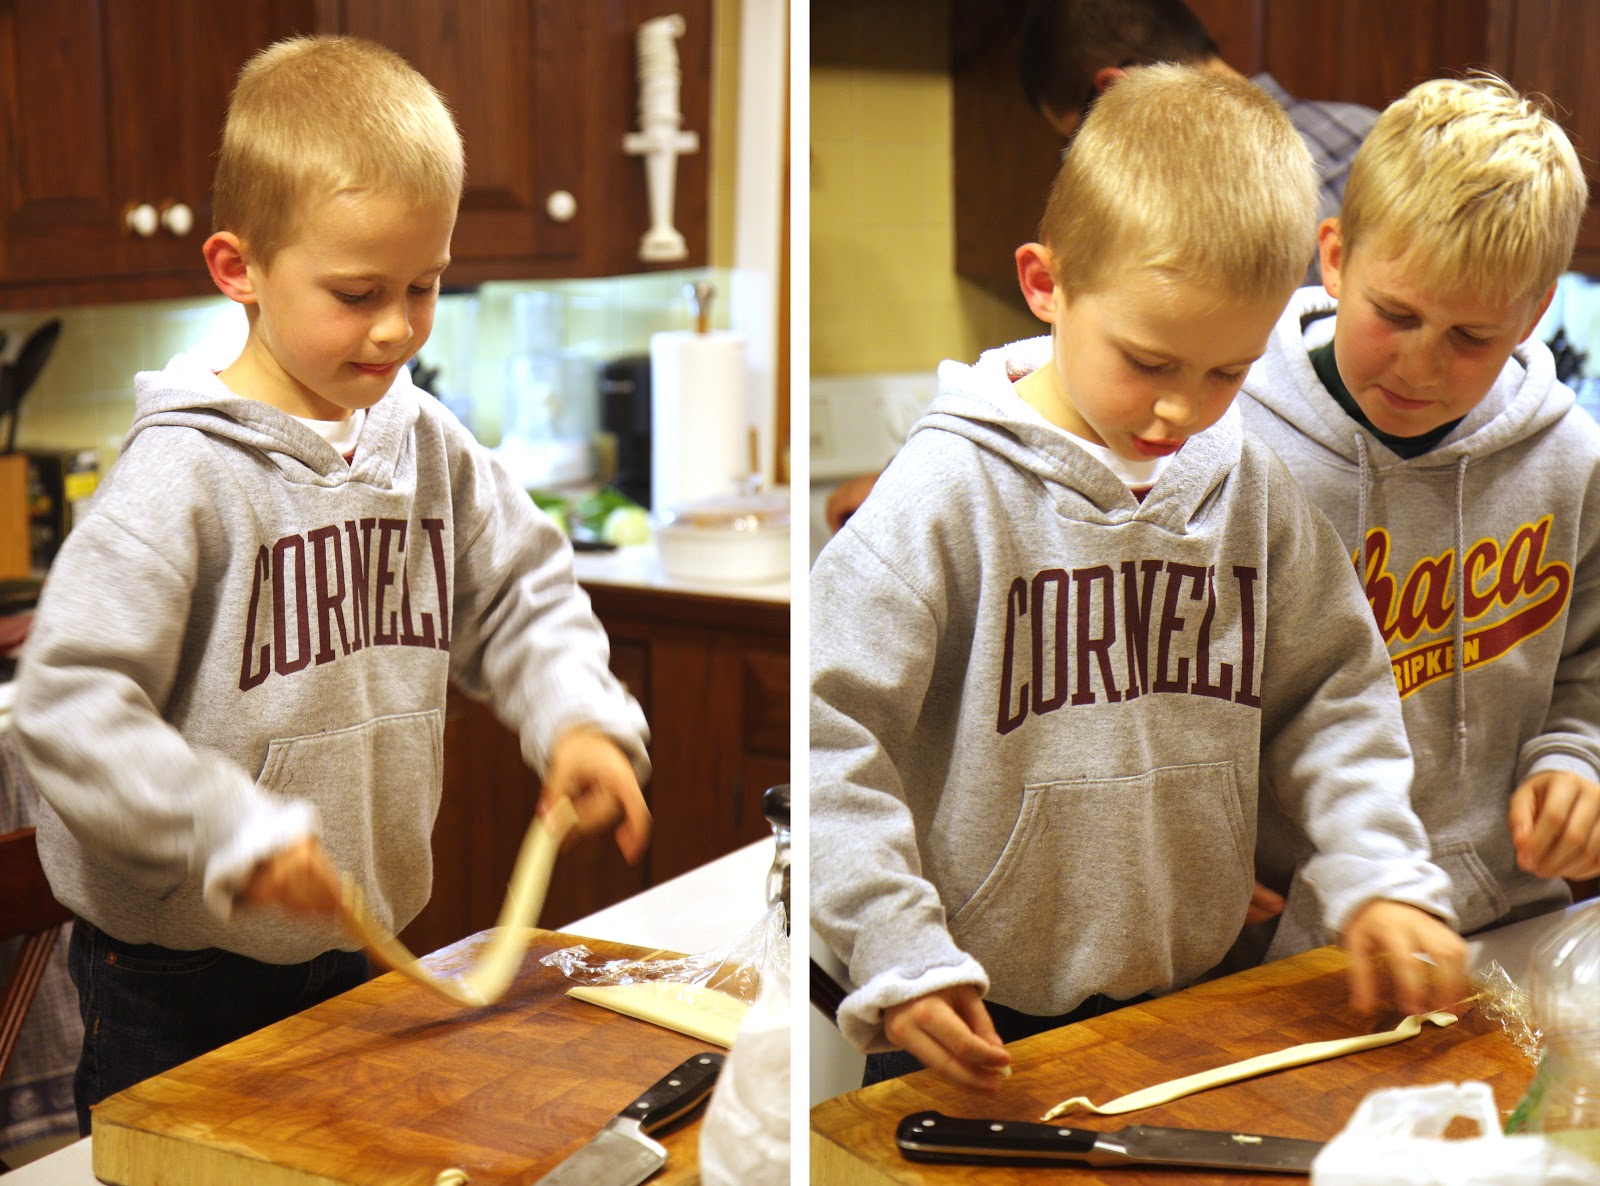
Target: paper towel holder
[(660, 139)]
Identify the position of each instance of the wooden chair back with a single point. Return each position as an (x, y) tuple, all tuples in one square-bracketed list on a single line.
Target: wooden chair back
[(28, 911)]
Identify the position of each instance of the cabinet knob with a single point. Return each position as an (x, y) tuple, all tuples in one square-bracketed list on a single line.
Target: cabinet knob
[(178, 219), (561, 206), (142, 220)]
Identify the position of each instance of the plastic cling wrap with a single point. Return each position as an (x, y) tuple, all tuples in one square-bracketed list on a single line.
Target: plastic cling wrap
[(705, 995)]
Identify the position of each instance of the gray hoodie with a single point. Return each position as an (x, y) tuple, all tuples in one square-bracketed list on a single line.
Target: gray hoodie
[(1513, 493), (248, 640), (1043, 713)]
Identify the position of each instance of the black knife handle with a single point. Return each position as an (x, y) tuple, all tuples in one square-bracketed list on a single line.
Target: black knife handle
[(676, 1092), (933, 1136)]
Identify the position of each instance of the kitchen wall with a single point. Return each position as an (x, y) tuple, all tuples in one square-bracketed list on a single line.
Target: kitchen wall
[(84, 397), (884, 293)]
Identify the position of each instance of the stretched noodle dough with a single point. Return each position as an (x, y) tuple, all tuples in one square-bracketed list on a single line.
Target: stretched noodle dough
[(487, 980), (1293, 1056), (689, 1009)]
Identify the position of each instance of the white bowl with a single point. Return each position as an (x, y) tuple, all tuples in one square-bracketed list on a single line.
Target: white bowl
[(732, 539)]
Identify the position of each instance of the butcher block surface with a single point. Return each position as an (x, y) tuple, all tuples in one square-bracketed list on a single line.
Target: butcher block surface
[(1301, 999), (390, 1084)]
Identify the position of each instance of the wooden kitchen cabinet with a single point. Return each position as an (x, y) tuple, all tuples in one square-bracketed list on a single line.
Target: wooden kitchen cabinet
[(107, 107), (1358, 51), (544, 91), (712, 676)]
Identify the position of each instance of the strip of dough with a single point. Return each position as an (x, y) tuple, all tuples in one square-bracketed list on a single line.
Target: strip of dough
[(487, 980), (1293, 1056), (691, 1009)]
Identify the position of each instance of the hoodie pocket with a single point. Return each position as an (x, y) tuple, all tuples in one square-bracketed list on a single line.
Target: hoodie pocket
[(1478, 901), (1116, 885), (377, 788)]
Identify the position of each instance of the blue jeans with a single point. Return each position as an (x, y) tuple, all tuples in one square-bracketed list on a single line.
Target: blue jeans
[(1008, 1023), (146, 1008)]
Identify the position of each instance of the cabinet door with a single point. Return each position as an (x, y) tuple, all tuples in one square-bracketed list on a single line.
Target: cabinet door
[(109, 106), (514, 73), (544, 92), (1553, 47)]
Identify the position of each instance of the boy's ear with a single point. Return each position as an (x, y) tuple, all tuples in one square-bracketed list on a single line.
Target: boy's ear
[(230, 272), (1038, 285), (1105, 76), (1538, 314), (1330, 255)]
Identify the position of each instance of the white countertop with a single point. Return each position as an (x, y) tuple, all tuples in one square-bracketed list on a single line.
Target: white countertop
[(640, 566), (700, 910)]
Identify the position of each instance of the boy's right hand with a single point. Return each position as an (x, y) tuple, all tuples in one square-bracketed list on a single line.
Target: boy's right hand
[(1396, 932), (950, 1033), (300, 879)]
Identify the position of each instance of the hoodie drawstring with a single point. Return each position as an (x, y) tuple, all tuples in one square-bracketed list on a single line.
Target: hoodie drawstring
[(1362, 483), (1459, 618)]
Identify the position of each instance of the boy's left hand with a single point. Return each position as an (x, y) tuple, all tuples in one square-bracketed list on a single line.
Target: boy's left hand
[(1555, 825), (591, 770), (1401, 932)]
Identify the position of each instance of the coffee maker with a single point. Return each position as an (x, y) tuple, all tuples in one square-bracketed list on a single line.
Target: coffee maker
[(625, 414)]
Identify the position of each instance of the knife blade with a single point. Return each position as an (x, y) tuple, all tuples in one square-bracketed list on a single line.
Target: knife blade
[(621, 1153), (933, 1136)]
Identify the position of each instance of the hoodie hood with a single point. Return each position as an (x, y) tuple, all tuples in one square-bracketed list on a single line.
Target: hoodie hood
[(1524, 399), (977, 402), (189, 394)]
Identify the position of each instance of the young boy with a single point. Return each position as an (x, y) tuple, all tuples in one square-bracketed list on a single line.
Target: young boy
[(1421, 416), (236, 681), (1087, 619)]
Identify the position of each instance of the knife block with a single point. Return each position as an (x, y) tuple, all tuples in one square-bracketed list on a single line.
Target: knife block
[(16, 554)]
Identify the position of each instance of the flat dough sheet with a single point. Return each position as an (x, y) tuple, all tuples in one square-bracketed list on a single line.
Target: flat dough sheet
[(691, 1009)]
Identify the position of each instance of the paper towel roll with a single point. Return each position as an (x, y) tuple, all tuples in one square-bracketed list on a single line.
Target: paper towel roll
[(699, 427)]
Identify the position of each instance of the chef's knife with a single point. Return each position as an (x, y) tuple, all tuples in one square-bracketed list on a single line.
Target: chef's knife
[(621, 1154), (933, 1136)]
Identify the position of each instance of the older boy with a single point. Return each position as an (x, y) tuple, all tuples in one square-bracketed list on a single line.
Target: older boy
[(1426, 422), (237, 677), (1052, 667)]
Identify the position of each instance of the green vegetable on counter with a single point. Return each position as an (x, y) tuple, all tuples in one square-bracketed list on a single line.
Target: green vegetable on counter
[(607, 514)]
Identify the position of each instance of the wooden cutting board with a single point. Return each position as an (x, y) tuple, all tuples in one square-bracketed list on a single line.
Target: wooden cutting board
[(1302, 999), (388, 1085)]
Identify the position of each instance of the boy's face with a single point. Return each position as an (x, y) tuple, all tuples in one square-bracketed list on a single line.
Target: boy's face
[(345, 304), (1414, 358), (1146, 362)]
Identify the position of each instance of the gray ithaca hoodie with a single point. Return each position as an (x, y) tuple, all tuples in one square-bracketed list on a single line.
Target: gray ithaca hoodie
[(1481, 561), (248, 640), (1043, 713)]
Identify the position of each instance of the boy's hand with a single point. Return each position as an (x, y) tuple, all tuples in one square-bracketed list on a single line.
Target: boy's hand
[(1555, 825), (846, 498), (1400, 932), (300, 879), (1264, 904), (591, 771), (949, 1032)]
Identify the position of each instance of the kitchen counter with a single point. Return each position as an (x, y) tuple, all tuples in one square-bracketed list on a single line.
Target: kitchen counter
[(705, 908), (639, 567), (1290, 1001)]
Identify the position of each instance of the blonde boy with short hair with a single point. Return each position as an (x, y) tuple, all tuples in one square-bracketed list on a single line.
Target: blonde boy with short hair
[(1087, 618), (1423, 418), (234, 691)]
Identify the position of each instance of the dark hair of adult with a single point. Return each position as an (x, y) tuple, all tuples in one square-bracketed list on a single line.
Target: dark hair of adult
[(1065, 42)]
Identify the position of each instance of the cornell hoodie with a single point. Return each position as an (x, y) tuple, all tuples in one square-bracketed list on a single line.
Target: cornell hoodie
[(1505, 508), (1041, 711), (248, 640)]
